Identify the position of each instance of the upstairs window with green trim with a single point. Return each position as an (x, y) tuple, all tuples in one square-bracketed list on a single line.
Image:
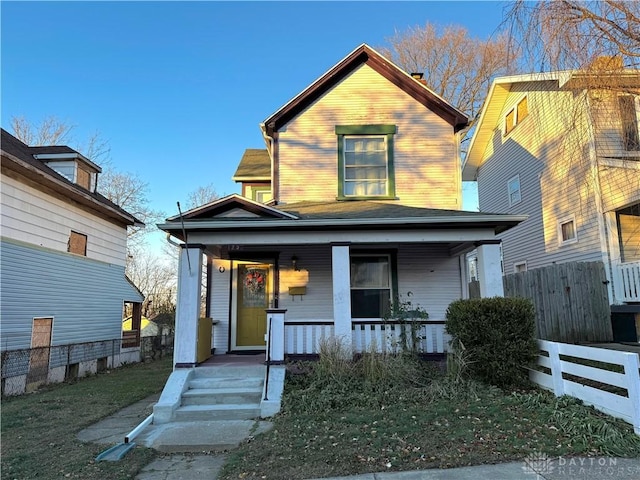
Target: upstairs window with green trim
[(365, 161)]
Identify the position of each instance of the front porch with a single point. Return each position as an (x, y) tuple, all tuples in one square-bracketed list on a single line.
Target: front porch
[(623, 226), (319, 298), (347, 270)]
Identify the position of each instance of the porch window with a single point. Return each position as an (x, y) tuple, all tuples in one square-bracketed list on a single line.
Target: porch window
[(365, 161), (370, 286), (629, 118)]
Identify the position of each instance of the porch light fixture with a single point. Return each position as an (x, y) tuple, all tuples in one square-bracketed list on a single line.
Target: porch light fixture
[(294, 263)]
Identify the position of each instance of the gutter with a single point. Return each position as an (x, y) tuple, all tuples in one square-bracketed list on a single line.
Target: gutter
[(344, 222)]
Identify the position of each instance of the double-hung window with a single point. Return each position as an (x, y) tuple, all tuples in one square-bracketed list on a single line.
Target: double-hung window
[(365, 161), (370, 285), (567, 232), (513, 188), (516, 115), (630, 124)]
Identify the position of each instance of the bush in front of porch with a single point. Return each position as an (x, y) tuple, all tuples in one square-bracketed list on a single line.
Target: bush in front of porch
[(493, 339)]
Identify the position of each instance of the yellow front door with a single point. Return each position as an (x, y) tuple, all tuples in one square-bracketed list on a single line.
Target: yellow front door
[(253, 299)]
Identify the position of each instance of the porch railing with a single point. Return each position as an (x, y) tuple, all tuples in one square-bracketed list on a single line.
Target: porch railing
[(630, 281), (386, 337), (303, 338)]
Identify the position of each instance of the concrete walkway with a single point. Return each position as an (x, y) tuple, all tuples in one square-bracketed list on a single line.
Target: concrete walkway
[(211, 440)]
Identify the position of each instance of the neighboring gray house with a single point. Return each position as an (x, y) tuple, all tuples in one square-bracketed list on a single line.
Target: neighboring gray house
[(569, 158), (62, 267)]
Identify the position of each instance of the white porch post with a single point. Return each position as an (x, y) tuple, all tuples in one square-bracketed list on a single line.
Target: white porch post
[(275, 335), (188, 306), (489, 271), (341, 272)]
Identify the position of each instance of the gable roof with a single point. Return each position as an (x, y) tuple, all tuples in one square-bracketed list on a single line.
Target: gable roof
[(493, 106), (221, 206), (20, 158), (364, 54), (255, 165)]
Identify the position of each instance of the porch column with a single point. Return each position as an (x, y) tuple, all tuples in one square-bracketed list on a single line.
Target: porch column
[(340, 269), (188, 306), (275, 335), (489, 271)]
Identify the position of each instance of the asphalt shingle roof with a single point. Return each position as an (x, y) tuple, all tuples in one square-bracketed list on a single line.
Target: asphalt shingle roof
[(255, 164), (367, 209), (20, 150)]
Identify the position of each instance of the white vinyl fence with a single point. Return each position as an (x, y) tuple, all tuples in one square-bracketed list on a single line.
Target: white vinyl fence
[(615, 404)]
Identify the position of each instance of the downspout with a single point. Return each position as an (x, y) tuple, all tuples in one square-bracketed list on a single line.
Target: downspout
[(172, 242), (271, 147)]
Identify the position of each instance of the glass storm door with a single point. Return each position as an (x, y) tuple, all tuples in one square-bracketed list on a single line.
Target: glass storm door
[(253, 299)]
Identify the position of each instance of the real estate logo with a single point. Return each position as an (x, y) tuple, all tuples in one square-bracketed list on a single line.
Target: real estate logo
[(537, 464)]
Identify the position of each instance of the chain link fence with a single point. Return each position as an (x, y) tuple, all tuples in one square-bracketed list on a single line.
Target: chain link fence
[(26, 369)]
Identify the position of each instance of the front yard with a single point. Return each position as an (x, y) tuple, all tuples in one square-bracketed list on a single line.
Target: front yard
[(410, 416), (39, 429)]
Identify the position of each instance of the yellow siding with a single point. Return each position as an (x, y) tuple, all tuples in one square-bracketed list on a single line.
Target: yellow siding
[(630, 237), (620, 185), (427, 170)]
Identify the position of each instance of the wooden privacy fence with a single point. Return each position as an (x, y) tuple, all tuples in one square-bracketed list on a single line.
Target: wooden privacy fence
[(616, 393), (570, 299)]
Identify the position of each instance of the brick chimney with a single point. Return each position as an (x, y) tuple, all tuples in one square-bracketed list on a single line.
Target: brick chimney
[(420, 77)]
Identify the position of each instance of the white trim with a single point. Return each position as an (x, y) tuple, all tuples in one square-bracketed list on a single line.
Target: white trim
[(328, 222), (564, 221), (519, 190), (519, 264), (43, 157)]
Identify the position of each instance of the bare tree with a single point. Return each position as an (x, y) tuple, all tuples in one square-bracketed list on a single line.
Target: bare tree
[(456, 66), (126, 190), (53, 131), (130, 192), (571, 34), (155, 277), (202, 196)]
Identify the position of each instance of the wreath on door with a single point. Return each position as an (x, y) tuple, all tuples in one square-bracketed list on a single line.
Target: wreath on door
[(254, 281)]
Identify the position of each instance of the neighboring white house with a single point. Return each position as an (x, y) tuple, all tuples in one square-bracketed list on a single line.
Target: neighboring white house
[(63, 262), (365, 179), (569, 158)]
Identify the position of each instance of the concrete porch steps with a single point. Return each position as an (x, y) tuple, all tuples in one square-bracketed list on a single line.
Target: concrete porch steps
[(222, 393), (204, 413)]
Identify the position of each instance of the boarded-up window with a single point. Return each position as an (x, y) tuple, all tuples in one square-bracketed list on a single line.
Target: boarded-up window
[(83, 178), (509, 122), (629, 119), (523, 109), (77, 244)]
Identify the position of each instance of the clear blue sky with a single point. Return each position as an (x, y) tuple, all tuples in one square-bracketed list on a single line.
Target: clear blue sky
[(179, 88)]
